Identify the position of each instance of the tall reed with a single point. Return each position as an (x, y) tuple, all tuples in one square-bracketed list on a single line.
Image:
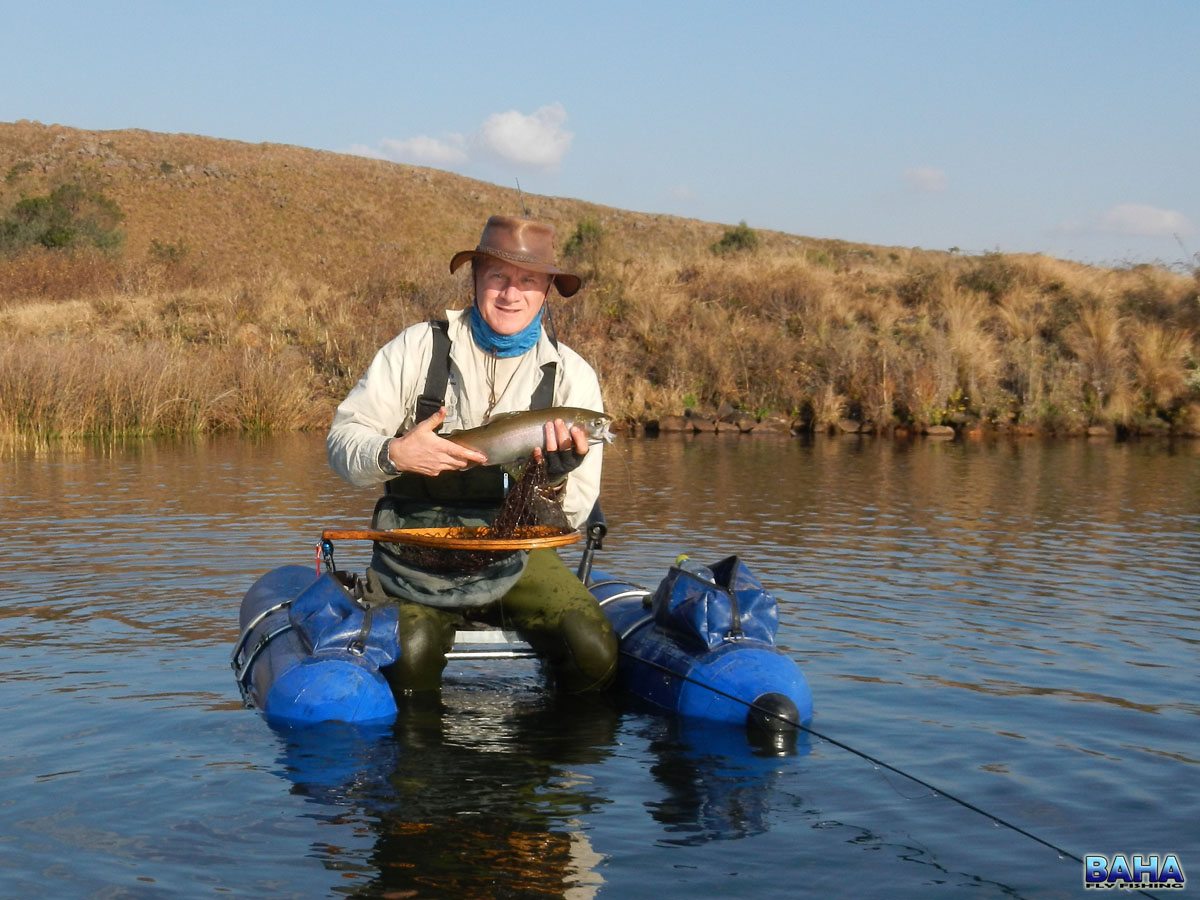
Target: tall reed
[(843, 332)]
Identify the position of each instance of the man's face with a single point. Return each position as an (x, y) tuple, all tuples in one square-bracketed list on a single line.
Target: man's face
[(509, 297)]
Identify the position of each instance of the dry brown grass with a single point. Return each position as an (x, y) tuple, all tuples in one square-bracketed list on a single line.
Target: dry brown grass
[(54, 389), (1160, 357), (256, 281), (1095, 339)]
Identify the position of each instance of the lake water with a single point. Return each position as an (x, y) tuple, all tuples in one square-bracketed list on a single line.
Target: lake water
[(1015, 623)]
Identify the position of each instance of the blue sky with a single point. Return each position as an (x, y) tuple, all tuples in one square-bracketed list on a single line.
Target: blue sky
[(1070, 128)]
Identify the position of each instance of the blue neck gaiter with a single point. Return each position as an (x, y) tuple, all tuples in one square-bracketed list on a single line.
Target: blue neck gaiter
[(505, 345)]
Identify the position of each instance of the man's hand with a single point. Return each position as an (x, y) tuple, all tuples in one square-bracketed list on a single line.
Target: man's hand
[(426, 453), (564, 450)]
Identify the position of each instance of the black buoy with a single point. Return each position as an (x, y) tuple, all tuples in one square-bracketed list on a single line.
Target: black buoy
[(773, 724)]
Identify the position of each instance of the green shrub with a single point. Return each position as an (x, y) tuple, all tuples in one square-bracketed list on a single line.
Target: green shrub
[(67, 217), (18, 170), (585, 239), (735, 240)]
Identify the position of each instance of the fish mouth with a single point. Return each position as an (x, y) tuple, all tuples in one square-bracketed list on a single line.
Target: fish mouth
[(598, 430)]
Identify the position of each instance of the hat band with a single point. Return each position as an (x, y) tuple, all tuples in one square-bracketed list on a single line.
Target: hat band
[(515, 257)]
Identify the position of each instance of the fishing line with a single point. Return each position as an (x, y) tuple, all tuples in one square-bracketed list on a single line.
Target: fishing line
[(628, 463), (874, 761)]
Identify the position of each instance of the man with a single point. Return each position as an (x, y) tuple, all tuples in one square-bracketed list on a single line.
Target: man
[(441, 376)]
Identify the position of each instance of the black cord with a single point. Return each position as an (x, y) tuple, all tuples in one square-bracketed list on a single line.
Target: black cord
[(871, 759)]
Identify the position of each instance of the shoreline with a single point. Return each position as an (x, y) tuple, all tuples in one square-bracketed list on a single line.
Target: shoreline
[(783, 426), (694, 428)]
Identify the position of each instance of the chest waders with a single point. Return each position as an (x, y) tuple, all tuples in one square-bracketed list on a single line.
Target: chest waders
[(535, 592), (479, 486)]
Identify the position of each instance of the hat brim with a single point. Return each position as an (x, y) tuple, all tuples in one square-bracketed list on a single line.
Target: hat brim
[(566, 283)]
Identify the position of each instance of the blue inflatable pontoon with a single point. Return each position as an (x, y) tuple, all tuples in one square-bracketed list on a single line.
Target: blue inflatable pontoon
[(701, 645)]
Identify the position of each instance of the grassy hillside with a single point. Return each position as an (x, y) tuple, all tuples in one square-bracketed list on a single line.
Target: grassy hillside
[(245, 209), (165, 283)]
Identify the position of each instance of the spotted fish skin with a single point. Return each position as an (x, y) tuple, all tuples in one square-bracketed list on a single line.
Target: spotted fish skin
[(512, 437)]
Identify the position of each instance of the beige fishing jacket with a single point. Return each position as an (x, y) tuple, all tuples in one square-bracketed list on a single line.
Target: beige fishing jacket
[(384, 401)]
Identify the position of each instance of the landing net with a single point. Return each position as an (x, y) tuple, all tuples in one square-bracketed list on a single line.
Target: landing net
[(531, 516)]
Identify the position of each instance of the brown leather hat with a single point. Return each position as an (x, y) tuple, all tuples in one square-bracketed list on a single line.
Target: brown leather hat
[(524, 243)]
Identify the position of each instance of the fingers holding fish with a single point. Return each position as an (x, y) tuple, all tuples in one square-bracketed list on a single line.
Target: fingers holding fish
[(564, 450), (432, 455), (512, 437), (558, 436), (427, 453)]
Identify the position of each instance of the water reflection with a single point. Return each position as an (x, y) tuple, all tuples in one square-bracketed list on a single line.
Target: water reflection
[(788, 492), (715, 786), (1017, 621), (489, 789)]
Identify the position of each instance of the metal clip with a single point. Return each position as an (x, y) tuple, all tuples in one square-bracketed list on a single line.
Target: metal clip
[(326, 551)]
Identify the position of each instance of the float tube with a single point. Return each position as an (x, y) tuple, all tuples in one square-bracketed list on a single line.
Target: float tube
[(310, 652), (701, 645)]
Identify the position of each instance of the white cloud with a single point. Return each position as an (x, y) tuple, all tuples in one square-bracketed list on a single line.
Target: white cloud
[(1130, 220), (535, 141), (1143, 220), (681, 192), (426, 151), (364, 150), (926, 179)]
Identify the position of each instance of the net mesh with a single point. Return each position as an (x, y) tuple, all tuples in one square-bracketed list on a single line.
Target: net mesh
[(530, 502)]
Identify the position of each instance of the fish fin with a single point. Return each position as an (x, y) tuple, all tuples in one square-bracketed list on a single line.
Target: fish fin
[(515, 470), (488, 420), (500, 417)]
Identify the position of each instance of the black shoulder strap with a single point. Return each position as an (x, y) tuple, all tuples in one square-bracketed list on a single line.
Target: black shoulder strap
[(543, 394), (434, 396), (438, 377)]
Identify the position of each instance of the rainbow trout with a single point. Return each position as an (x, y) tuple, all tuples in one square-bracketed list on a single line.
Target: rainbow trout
[(511, 437)]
